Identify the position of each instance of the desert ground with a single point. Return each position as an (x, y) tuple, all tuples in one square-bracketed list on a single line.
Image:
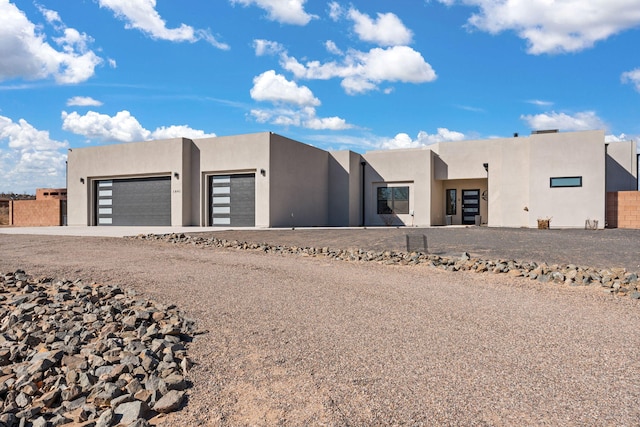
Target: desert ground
[(292, 340)]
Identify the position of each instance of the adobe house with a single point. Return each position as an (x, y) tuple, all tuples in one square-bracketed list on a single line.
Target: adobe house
[(48, 209), (267, 180)]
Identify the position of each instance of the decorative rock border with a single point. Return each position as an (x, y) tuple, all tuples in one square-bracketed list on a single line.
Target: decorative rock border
[(93, 355), (614, 280)]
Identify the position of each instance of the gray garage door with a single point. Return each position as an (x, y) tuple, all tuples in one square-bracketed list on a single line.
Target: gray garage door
[(233, 200), (136, 201)]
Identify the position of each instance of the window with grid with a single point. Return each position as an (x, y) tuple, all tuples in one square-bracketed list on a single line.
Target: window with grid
[(393, 200)]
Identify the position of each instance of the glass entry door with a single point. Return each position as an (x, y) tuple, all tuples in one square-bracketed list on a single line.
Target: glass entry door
[(470, 206)]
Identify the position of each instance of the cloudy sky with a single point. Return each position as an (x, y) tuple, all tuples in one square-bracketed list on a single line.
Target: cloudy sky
[(359, 75)]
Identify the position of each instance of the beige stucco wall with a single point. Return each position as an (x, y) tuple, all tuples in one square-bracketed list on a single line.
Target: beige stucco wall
[(299, 179), (563, 155), (234, 155), (411, 167), (460, 165), (345, 189), (519, 170), (622, 166), (140, 159)]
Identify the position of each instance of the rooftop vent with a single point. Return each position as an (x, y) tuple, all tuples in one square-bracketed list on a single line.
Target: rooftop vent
[(540, 132)]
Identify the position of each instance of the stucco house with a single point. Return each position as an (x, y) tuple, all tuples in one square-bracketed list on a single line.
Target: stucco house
[(267, 180)]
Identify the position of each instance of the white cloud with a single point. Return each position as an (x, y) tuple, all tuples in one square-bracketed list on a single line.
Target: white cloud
[(333, 48), (335, 10), (275, 88), (123, 127), (31, 158), (540, 103), (267, 47), (585, 120), (304, 117), (558, 26), (51, 16), (26, 54), (283, 11), (364, 71), (142, 15), (387, 30), (632, 77), (83, 101), (179, 131), (616, 138), (403, 140)]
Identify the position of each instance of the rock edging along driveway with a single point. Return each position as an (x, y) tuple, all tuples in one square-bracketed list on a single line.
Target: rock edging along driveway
[(614, 280), (90, 354)]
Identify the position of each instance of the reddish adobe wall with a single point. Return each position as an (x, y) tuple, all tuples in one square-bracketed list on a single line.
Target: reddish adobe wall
[(30, 213), (51, 193), (623, 209)]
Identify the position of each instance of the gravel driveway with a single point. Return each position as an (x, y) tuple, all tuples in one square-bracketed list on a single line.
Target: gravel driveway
[(308, 341)]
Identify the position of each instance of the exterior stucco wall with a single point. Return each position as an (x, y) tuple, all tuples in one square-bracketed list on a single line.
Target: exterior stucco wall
[(565, 155), (410, 167), (299, 180), (234, 155), (622, 166), (460, 165), (345, 189), (131, 160)]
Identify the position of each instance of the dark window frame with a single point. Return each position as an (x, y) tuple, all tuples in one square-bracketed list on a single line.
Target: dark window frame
[(558, 178), (452, 201), (387, 206)]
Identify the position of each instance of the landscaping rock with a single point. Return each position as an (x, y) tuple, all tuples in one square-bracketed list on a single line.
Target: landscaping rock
[(79, 353)]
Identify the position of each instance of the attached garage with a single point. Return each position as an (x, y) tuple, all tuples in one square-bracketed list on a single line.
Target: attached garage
[(232, 200), (133, 201)]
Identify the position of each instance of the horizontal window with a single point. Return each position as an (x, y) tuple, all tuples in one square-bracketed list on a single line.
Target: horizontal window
[(105, 221), (105, 193), (221, 200), (221, 221), (221, 209), (221, 179), (104, 202), (566, 181), (105, 211), (221, 190), (105, 184)]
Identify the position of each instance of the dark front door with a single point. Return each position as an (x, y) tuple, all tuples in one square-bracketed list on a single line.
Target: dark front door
[(470, 206)]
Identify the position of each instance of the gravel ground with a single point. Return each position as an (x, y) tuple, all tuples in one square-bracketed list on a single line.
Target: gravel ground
[(308, 341)]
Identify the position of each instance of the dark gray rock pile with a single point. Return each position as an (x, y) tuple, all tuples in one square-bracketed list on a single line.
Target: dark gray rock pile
[(88, 354), (614, 280)]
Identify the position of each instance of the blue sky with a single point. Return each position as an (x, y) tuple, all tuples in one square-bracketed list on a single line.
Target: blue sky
[(360, 75)]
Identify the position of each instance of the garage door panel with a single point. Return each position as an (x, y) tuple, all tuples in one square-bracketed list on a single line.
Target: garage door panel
[(232, 200), (136, 201)]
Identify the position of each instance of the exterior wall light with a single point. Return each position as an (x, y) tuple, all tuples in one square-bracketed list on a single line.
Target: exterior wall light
[(486, 166), (263, 172), (176, 175), (82, 180)]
